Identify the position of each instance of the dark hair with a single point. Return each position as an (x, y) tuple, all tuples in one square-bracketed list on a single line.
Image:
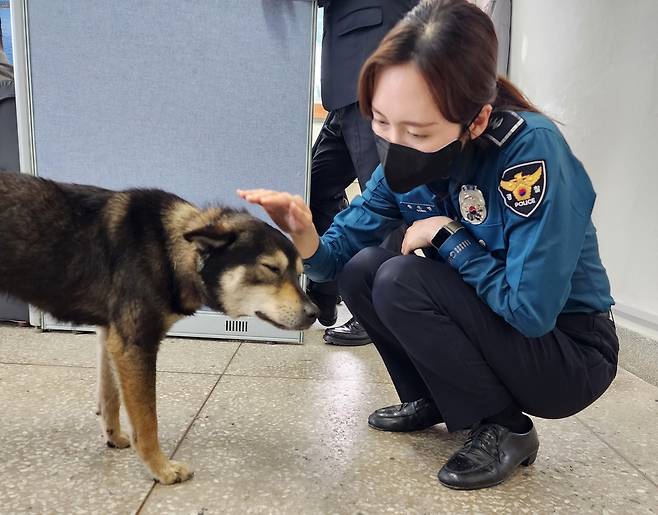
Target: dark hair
[(453, 43)]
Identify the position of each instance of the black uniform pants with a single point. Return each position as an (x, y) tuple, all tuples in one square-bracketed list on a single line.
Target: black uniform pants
[(343, 151), (439, 340)]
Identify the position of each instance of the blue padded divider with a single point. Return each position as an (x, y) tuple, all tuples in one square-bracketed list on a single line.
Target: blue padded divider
[(198, 97)]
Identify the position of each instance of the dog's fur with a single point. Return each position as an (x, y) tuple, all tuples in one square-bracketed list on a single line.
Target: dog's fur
[(132, 263)]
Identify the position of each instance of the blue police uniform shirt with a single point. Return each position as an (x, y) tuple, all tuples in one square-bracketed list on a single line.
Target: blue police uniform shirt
[(528, 247)]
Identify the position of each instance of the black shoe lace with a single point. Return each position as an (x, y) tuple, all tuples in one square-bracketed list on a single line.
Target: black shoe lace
[(483, 439)]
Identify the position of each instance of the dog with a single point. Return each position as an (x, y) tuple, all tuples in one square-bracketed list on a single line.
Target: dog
[(132, 263)]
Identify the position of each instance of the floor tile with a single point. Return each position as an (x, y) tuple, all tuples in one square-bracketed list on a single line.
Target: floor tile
[(29, 345), (626, 417), (285, 431), (312, 360), (274, 445), (53, 456)]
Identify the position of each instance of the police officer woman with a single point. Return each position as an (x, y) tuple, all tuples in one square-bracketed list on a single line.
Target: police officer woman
[(508, 313)]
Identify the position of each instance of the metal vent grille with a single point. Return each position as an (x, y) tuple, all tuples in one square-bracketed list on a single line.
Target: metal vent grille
[(237, 326)]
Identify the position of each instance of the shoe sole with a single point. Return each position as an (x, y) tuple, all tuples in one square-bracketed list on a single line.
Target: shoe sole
[(525, 463), (466, 488), (345, 343), (396, 431)]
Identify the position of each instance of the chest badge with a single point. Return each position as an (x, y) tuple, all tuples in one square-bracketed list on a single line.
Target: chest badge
[(472, 205)]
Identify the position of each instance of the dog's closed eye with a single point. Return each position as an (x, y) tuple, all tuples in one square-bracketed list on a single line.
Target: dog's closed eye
[(272, 268)]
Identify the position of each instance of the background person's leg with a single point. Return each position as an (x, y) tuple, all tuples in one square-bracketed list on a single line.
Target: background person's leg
[(331, 172), (360, 142)]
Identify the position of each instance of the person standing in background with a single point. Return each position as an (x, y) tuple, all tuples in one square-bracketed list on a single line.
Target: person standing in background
[(345, 148)]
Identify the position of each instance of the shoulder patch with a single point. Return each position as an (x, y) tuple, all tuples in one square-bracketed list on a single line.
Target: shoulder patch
[(502, 126), (523, 187)]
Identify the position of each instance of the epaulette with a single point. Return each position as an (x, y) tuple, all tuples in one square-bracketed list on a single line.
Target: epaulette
[(503, 126)]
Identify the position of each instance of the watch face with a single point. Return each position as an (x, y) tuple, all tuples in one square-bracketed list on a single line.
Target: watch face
[(440, 237)]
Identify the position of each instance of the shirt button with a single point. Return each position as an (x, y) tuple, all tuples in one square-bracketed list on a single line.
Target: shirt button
[(483, 243)]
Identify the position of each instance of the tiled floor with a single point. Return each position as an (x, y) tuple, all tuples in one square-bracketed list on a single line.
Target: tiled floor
[(282, 429)]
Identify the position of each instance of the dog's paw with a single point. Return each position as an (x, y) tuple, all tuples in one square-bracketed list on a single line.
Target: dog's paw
[(120, 441), (174, 472)]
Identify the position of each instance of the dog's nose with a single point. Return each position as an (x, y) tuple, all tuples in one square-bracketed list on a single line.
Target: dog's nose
[(311, 311)]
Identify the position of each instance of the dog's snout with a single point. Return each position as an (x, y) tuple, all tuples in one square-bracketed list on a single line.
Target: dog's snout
[(311, 311)]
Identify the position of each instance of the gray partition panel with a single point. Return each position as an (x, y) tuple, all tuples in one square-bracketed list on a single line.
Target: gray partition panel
[(197, 97)]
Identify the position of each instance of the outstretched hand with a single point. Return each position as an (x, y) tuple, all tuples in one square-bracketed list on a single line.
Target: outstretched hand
[(287, 211), (290, 214)]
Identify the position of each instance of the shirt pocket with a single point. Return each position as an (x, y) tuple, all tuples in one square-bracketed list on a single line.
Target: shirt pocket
[(359, 19)]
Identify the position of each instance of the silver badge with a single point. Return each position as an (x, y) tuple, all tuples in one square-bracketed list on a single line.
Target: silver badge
[(472, 204)]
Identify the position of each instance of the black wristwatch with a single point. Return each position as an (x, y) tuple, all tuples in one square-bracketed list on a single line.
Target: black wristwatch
[(445, 232)]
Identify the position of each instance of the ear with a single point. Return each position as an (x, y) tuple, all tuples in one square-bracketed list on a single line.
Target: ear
[(210, 237), (481, 122)]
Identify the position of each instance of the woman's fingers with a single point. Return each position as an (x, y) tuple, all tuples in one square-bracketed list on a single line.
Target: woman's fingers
[(276, 199), (259, 196), (408, 242), (271, 199), (256, 191), (256, 196), (288, 211)]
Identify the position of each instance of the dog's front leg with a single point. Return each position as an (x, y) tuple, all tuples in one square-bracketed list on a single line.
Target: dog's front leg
[(109, 399), (136, 370)]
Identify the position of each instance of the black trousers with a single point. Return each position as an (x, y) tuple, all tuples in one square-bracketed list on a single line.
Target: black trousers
[(343, 151), (439, 340)]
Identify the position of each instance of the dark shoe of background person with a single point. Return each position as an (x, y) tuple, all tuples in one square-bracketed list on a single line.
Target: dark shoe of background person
[(490, 455), (408, 416), (351, 333)]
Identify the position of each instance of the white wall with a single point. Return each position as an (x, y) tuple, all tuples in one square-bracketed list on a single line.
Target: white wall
[(593, 65)]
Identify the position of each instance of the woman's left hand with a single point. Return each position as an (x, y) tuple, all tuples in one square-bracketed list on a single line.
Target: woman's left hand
[(421, 232)]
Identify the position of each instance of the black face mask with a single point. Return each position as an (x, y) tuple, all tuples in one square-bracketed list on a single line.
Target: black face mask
[(406, 168)]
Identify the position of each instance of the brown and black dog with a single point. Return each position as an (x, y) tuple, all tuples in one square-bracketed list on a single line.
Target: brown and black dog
[(132, 263)]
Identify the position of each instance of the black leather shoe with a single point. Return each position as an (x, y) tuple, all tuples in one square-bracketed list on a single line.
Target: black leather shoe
[(326, 305), (489, 456), (408, 416), (350, 333)]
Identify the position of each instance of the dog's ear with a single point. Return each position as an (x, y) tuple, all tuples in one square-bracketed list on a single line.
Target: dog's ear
[(211, 237)]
